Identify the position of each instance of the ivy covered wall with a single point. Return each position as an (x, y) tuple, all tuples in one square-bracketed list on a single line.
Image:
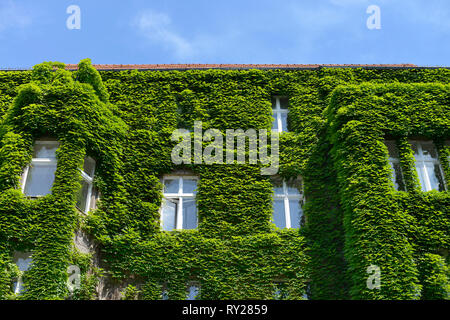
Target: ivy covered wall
[(338, 118)]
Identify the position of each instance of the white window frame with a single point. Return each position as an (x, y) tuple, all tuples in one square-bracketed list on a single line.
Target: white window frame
[(38, 161), (421, 161), (180, 196), (277, 112), (90, 182), (286, 197)]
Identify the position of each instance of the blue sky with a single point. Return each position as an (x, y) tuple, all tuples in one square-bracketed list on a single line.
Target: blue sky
[(213, 31)]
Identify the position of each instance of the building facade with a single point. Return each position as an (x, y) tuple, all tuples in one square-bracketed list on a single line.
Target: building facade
[(93, 206)]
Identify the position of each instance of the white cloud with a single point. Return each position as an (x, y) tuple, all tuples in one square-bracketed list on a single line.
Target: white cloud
[(314, 23), (157, 28), (12, 16)]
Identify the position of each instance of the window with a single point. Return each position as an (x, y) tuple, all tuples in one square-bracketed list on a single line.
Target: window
[(23, 261), (193, 291), (394, 162), (280, 113), (87, 195), (307, 293), (165, 294), (447, 144), (287, 203), (428, 167), (281, 291), (179, 210), (38, 177)]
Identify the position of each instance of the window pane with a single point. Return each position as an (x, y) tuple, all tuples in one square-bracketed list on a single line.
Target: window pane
[(189, 185), (171, 185), (89, 166), (429, 150), (45, 150), (279, 217), (398, 177), (421, 177), (307, 293), (193, 292), (189, 214), (169, 214), (83, 196), (274, 102), (440, 178), (435, 176), (275, 122), (281, 292), (284, 122), (284, 103), (296, 212), (415, 148), (392, 149), (447, 144), (294, 186), (277, 182), (18, 286), (40, 179), (393, 175), (23, 261)]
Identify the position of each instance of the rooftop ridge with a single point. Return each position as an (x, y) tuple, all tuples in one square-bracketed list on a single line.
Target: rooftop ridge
[(235, 66), (226, 66)]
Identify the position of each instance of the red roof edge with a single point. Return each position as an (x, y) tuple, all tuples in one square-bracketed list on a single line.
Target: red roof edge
[(235, 66)]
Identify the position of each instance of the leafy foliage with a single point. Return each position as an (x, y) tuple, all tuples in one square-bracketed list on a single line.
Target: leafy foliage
[(52, 104), (338, 119)]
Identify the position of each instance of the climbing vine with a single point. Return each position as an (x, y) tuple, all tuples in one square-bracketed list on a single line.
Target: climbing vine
[(338, 119)]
